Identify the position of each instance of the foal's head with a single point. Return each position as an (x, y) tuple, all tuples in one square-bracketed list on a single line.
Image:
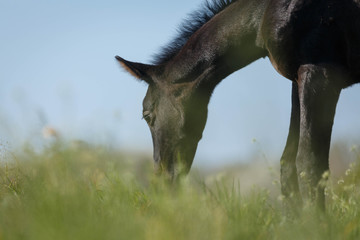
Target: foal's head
[(176, 112)]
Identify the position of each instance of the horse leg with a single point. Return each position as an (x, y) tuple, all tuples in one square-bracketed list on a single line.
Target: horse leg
[(319, 91), (288, 178)]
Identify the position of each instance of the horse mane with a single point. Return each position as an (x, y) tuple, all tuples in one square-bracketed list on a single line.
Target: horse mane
[(189, 26)]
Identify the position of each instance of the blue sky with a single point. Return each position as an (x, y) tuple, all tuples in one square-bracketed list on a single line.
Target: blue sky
[(57, 69)]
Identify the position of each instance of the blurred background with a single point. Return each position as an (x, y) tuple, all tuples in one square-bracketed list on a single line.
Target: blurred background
[(58, 76)]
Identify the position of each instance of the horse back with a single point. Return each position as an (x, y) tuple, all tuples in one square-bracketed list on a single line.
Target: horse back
[(349, 21), (312, 31)]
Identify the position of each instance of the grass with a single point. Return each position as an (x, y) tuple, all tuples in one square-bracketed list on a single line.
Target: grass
[(89, 192)]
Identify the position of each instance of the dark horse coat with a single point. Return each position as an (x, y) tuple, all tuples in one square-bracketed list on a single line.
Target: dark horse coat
[(313, 43)]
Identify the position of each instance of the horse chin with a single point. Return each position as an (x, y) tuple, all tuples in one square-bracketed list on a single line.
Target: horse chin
[(183, 161)]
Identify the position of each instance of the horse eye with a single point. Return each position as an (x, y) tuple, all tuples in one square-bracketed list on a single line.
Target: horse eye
[(147, 117)]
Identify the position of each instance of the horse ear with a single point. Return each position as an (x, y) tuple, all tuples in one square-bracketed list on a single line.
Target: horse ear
[(138, 70)]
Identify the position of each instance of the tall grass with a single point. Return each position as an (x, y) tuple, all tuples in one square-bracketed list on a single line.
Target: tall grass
[(90, 192)]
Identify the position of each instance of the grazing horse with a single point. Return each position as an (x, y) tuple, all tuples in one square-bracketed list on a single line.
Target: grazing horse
[(313, 43)]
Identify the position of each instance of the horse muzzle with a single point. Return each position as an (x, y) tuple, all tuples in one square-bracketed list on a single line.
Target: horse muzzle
[(174, 163)]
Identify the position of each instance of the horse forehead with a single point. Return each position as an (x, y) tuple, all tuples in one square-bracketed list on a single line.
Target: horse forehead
[(150, 97), (154, 94)]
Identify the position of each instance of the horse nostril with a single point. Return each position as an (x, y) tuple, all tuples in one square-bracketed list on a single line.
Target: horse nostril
[(157, 167)]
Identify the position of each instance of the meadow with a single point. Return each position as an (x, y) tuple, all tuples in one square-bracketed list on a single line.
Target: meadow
[(80, 191)]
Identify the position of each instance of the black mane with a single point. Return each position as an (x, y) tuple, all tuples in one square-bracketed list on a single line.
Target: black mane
[(189, 26)]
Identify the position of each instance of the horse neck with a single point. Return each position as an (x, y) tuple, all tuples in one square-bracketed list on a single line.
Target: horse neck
[(228, 42)]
